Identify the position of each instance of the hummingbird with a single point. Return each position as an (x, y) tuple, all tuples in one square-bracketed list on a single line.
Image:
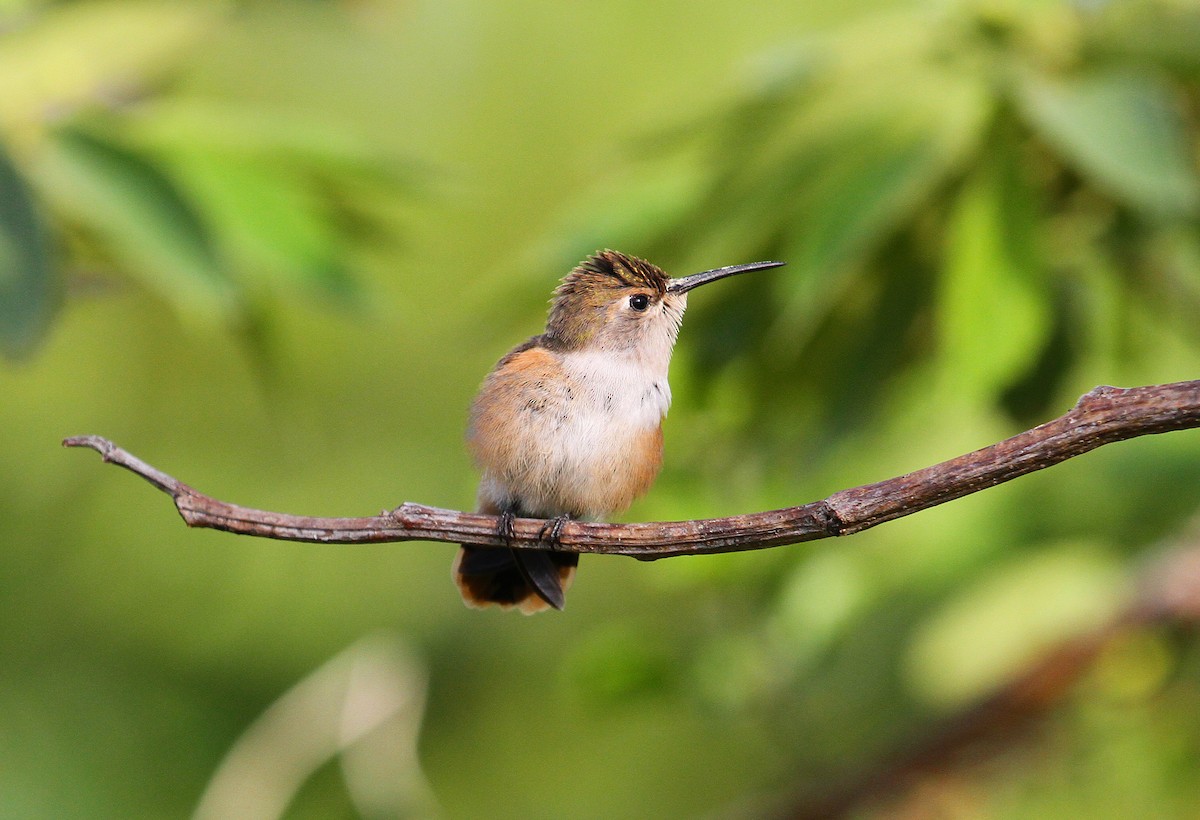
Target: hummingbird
[(568, 425)]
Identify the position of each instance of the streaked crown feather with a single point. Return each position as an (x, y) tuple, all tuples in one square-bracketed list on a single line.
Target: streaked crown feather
[(613, 269), (585, 292)]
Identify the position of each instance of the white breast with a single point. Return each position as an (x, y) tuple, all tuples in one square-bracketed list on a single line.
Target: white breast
[(618, 389), (612, 402), (581, 447)]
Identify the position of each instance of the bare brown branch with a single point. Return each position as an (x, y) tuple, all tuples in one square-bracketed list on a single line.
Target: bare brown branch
[(1102, 416)]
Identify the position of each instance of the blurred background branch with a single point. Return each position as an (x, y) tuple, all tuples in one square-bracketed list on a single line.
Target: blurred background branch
[(1166, 594)]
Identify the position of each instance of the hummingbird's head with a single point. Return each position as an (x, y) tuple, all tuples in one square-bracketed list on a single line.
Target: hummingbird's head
[(619, 303)]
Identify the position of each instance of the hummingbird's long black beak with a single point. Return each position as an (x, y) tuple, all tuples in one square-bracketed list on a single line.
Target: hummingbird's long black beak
[(697, 279)]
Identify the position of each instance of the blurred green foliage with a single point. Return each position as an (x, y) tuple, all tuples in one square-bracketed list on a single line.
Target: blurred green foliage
[(273, 248), (208, 201)]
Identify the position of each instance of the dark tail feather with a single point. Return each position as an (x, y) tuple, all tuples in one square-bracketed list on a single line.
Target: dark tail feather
[(530, 580)]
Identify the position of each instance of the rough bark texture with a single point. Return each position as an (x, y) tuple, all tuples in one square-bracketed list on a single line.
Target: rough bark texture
[(1102, 416)]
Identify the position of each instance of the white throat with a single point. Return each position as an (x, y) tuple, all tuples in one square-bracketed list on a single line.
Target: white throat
[(622, 385)]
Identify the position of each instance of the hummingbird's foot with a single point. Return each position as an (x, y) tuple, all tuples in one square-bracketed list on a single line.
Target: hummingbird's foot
[(505, 529), (537, 568), (551, 531)]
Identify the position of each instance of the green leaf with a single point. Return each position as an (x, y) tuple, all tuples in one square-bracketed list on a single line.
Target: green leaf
[(139, 217), (269, 220), (72, 54), (254, 131), (864, 188), (1121, 130), (1003, 621), (28, 292), (1160, 34), (993, 311), (287, 193), (866, 181)]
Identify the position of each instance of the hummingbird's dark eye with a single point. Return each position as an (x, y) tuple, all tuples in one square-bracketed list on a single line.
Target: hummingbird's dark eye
[(639, 301)]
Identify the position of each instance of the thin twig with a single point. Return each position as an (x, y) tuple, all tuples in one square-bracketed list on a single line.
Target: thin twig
[(1102, 416)]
